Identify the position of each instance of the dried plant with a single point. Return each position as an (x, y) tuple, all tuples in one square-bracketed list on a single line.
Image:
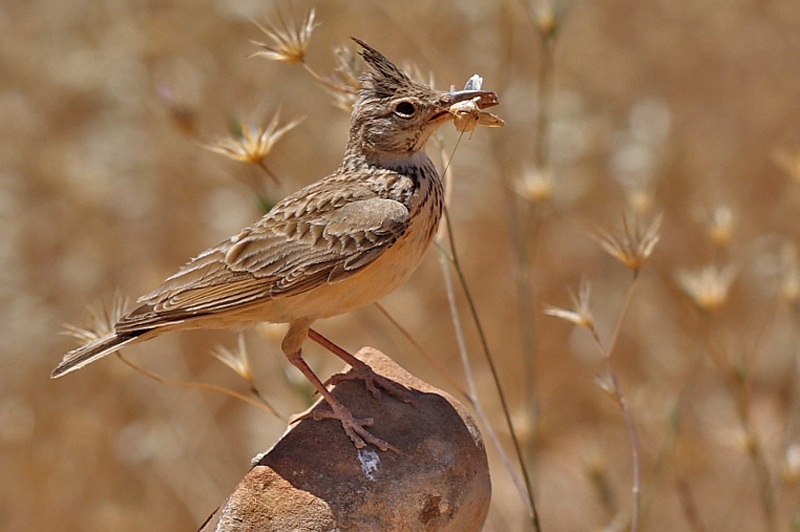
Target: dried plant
[(102, 320), (631, 249), (580, 314), (236, 359), (708, 287), (254, 143), (634, 245), (239, 361), (288, 42), (720, 226), (345, 82), (536, 185)]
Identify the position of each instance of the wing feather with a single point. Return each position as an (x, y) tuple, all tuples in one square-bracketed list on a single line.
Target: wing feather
[(288, 252)]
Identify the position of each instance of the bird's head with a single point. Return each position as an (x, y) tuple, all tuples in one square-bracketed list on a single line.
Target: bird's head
[(394, 115)]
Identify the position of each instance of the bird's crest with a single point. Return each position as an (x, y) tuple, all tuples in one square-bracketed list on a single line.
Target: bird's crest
[(382, 78)]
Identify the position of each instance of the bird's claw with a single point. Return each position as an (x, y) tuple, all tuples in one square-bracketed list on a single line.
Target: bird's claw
[(374, 383), (354, 428)]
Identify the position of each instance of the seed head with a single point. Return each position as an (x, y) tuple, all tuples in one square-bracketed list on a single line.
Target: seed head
[(580, 314), (535, 185), (791, 464), (707, 288), (288, 42), (102, 320), (236, 359), (549, 15), (720, 226), (255, 142), (346, 80), (633, 247), (641, 198)]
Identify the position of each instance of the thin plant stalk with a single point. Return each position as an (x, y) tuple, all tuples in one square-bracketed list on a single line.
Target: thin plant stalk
[(452, 257), (260, 403), (524, 219), (322, 80), (689, 507), (667, 449), (544, 96), (495, 375), (273, 177), (616, 393), (769, 493), (736, 376), (519, 221), (472, 391), (793, 408)]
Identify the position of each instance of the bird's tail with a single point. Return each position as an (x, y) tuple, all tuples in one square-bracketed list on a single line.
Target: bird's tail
[(77, 358)]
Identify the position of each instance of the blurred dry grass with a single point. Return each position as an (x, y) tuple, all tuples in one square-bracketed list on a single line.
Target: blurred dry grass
[(675, 107)]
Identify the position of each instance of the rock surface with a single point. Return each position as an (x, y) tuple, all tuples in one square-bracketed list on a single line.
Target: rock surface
[(314, 479)]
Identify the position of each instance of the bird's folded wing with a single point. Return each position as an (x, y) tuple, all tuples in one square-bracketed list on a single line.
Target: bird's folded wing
[(278, 257)]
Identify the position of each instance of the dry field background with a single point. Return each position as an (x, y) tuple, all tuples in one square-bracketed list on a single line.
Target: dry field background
[(685, 109)]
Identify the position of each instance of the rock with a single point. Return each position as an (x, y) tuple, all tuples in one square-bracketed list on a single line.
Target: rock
[(314, 479)]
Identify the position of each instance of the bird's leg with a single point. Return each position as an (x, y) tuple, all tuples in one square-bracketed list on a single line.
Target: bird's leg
[(361, 371), (354, 428)]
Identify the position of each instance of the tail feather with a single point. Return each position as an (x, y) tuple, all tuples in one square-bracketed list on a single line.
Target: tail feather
[(77, 358)]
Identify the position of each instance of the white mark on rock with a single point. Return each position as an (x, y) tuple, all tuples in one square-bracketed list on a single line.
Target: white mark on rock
[(369, 460)]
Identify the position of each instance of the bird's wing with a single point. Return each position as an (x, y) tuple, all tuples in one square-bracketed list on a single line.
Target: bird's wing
[(288, 252)]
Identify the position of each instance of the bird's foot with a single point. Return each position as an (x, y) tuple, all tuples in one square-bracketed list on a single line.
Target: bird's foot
[(354, 428), (374, 382)]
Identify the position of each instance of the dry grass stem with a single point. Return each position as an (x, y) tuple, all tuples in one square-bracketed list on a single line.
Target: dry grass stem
[(608, 382), (201, 386), (448, 253), (345, 82), (471, 394), (444, 372), (495, 376)]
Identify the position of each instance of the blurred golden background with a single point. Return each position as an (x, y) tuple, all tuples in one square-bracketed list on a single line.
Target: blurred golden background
[(685, 109)]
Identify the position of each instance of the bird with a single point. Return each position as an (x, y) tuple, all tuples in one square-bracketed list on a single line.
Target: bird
[(340, 243)]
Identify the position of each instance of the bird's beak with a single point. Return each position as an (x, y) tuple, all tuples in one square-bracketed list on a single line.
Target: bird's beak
[(482, 99)]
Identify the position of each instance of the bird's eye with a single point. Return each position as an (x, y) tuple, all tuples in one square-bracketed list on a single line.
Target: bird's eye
[(405, 109)]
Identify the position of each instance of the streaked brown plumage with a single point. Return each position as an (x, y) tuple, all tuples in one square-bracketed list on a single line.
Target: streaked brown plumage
[(337, 244)]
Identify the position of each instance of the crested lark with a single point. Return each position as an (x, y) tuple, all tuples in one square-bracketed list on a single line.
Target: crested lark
[(337, 244)]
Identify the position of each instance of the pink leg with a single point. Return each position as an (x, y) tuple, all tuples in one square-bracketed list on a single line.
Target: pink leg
[(361, 371), (354, 428)]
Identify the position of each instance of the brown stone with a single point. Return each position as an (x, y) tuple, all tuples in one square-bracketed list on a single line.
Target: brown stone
[(314, 479)]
